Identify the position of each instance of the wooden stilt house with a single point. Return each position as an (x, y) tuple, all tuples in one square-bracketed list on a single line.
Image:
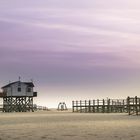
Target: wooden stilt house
[(18, 96)]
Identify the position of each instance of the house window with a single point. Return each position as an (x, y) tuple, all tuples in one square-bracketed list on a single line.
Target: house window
[(19, 89), (28, 89)]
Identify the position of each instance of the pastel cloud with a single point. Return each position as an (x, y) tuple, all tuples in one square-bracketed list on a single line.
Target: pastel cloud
[(71, 44)]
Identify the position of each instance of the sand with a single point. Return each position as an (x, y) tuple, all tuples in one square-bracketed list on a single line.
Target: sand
[(53, 125)]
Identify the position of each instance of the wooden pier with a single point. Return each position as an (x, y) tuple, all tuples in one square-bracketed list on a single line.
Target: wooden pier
[(100, 106), (38, 107), (133, 105), (1, 107)]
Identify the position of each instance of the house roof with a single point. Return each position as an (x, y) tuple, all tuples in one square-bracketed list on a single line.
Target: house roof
[(30, 84)]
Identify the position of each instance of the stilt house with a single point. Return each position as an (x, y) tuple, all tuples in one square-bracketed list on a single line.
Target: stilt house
[(18, 96)]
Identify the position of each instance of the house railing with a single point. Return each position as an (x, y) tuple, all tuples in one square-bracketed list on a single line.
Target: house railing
[(3, 94)]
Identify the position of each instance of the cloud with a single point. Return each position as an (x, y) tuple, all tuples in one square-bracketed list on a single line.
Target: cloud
[(63, 44)]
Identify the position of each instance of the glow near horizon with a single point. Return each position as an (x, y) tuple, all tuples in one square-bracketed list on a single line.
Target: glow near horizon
[(72, 49)]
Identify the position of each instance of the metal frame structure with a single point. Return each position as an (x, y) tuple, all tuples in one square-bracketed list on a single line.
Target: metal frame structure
[(62, 106)]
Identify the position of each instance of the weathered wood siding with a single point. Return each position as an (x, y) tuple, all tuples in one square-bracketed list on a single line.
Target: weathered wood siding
[(13, 90)]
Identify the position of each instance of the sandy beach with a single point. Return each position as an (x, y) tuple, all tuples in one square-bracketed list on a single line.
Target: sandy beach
[(53, 125)]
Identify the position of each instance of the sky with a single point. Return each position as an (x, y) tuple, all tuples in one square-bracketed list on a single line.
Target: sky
[(72, 49)]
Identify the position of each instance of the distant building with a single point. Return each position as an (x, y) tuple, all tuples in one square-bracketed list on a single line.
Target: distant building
[(19, 89), (18, 96)]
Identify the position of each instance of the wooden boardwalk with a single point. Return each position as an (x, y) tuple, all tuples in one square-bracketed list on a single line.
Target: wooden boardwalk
[(100, 106), (1, 107), (133, 105)]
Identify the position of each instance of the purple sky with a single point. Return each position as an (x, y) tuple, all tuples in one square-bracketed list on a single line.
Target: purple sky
[(73, 49)]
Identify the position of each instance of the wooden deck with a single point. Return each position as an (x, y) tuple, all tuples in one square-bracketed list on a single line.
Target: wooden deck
[(2, 94)]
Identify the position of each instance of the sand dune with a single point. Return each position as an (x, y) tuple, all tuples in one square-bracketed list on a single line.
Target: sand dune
[(53, 125)]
